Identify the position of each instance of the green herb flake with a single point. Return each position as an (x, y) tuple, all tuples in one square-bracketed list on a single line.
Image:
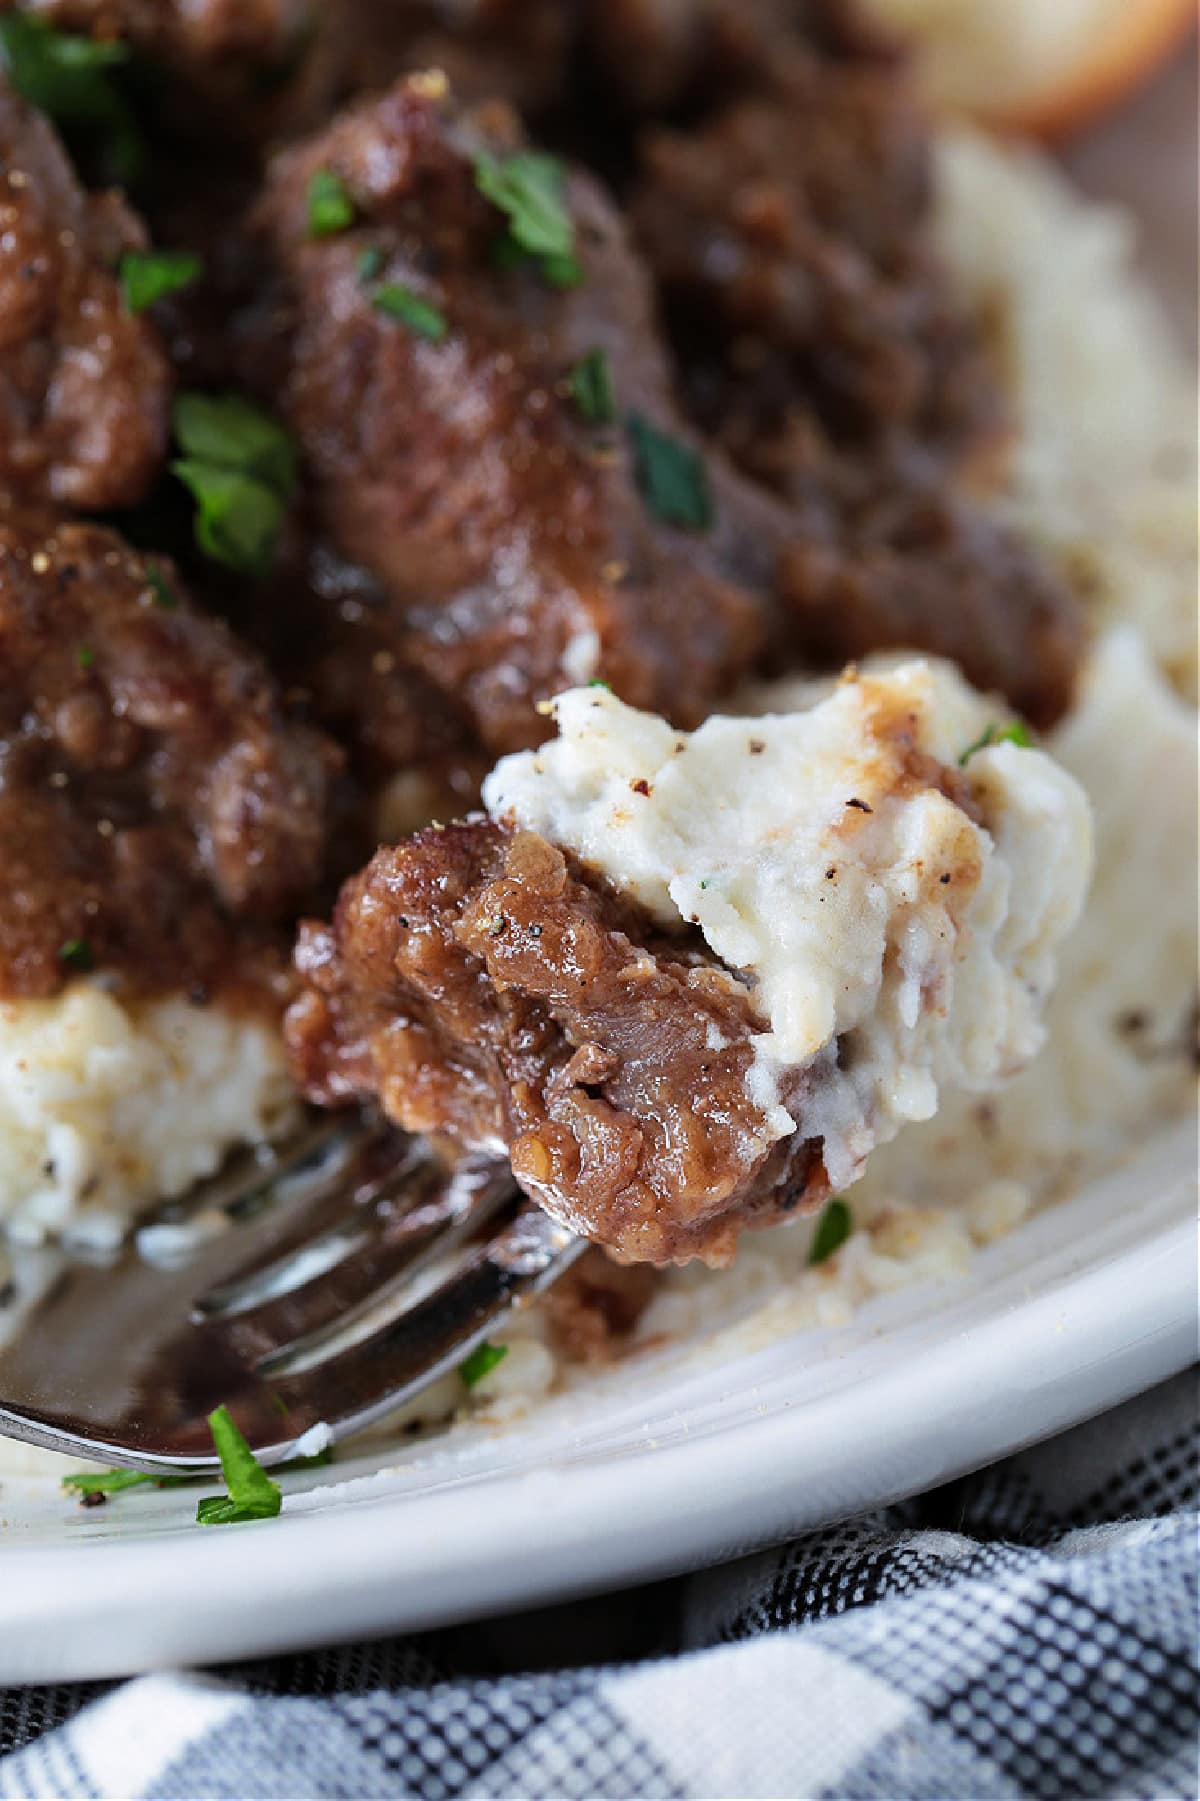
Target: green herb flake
[(421, 318), (1016, 732), (481, 1362), (70, 79), (671, 477), (591, 385), (252, 1494), (76, 953), (164, 595), (240, 467), (85, 656), (330, 208), (530, 188), (148, 276), (833, 1229), (370, 265), (114, 1482)]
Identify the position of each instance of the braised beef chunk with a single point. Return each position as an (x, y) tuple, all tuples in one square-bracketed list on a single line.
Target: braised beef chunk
[(206, 35), (514, 50), (158, 813), (477, 983), (84, 384), (431, 387), (790, 238), (929, 570)]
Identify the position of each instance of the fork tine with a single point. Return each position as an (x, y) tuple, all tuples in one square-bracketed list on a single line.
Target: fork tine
[(354, 1387), (379, 1171), (390, 1253)]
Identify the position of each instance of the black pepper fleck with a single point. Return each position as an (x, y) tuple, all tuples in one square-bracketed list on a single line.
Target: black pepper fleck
[(860, 804)]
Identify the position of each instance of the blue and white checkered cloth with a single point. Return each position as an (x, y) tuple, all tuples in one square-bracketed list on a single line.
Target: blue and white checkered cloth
[(1028, 1631)]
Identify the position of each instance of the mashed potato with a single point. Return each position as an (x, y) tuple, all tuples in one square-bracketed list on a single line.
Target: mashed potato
[(104, 1108), (894, 945), (1103, 466)]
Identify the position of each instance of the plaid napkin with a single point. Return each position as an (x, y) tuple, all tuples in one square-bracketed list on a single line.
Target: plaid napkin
[(1029, 1631)]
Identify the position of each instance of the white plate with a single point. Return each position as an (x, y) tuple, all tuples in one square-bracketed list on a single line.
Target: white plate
[(669, 1462)]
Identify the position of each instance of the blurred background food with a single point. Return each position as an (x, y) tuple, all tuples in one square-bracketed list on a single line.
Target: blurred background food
[(1041, 66)]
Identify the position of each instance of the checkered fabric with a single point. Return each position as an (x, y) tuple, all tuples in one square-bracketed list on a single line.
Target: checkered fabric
[(1029, 1631)]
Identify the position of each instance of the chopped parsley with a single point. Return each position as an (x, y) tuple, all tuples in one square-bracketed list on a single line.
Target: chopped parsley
[(421, 318), (240, 466), (833, 1229), (76, 953), (114, 1482), (529, 188), (252, 1494), (164, 595), (1014, 733), (148, 276), (591, 386), (671, 477), (71, 79), (85, 656), (481, 1362), (330, 208), (370, 264)]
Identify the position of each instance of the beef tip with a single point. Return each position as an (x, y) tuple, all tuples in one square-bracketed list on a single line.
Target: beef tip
[(478, 983), (514, 50), (159, 814), (790, 239), (824, 349), (327, 632), (452, 461), (84, 385), (205, 35), (592, 1309), (660, 55), (933, 570)]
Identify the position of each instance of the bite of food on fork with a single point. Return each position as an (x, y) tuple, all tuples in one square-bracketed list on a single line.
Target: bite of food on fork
[(688, 982)]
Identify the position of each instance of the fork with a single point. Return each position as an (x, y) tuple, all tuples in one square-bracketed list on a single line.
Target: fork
[(312, 1288)]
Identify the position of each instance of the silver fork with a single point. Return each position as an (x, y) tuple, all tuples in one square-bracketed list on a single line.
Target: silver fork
[(300, 1288)]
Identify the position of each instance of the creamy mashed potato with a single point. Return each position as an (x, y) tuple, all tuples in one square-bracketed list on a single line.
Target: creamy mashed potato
[(1103, 465), (104, 1108), (894, 945)]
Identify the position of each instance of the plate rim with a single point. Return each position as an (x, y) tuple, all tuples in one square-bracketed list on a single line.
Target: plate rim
[(71, 1611)]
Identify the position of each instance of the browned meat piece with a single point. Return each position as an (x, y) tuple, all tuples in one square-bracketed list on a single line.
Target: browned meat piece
[(591, 1311), (157, 809), (478, 985), (790, 238), (451, 459), (202, 34), (933, 571), (514, 50), (661, 53), (328, 634), (84, 386)]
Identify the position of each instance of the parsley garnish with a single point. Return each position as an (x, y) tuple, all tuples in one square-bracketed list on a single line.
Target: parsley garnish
[(419, 315), (1014, 733), (833, 1229), (240, 465), (70, 79), (252, 1494), (150, 275), (529, 187), (481, 1362), (591, 385), (113, 1482), (85, 656), (370, 264), (671, 477), (330, 208), (164, 595), (76, 953)]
